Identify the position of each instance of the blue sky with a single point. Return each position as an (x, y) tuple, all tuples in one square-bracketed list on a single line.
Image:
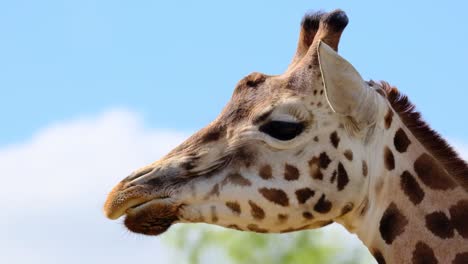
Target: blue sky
[(91, 90), (176, 63)]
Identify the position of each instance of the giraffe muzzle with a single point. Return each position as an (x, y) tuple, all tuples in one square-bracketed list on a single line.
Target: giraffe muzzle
[(146, 211)]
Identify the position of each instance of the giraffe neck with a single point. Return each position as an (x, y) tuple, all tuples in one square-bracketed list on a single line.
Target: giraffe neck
[(415, 211)]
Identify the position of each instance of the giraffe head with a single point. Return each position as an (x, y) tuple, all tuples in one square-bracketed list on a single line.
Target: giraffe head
[(285, 154)]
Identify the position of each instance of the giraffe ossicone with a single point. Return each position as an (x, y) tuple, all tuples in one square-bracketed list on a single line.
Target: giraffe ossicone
[(314, 145)]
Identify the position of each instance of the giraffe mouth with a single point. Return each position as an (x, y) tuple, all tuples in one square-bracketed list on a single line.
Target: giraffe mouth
[(152, 217), (145, 212)]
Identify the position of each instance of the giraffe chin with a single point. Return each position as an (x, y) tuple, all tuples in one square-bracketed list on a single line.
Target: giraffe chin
[(152, 218)]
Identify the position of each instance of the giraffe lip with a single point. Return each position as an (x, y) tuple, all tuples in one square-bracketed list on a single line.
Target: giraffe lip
[(152, 217)]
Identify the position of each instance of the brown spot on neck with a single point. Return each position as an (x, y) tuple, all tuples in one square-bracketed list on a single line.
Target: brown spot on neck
[(432, 174), (389, 159), (378, 256), (348, 155), (459, 217), (401, 141), (423, 254), (333, 177), (343, 178), (439, 224), (411, 188), (392, 223), (456, 167), (364, 168), (388, 118)]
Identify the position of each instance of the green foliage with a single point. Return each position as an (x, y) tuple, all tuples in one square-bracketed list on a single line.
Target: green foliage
[(195, 242)]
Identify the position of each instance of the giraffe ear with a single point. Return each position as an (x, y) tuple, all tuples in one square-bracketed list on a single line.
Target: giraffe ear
[(346, 92)]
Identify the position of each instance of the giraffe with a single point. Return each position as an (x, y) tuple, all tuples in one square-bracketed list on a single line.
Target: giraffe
[(314, 145)]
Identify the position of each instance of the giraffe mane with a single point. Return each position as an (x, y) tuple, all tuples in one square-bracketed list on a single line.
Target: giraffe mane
[(438, 147)]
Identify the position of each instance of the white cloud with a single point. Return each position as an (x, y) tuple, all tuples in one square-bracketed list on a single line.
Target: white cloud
[(79, 159), (54, 186)]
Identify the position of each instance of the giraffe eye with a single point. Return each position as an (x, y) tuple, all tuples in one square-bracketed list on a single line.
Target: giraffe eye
[(282, 130)]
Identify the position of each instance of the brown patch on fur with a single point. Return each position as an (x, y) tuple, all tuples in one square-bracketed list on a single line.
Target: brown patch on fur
[(214, 215), (276, 196), (308, 215), (348, 154), (304, 194), (238, 179), (291, 173), (378, 256), (364, 168), (461, 258), (401, 141), (423, 254), (333, 177), (389, 159), (347, 208), (334, 139), (388, 118), (411, 188), (364, 206), (323, 206), (214, 191), (316, 139), (282, 218), (439, 224), (459, 217), (255, 228), (324, 160), (314, 169), (431, 140), (431, 174), (392, 223), (234, 206), (256, 211), (265, 172), (343, 178), (212, 134)]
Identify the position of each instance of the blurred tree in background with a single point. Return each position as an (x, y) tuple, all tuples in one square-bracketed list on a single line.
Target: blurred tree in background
[(203, 244)]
